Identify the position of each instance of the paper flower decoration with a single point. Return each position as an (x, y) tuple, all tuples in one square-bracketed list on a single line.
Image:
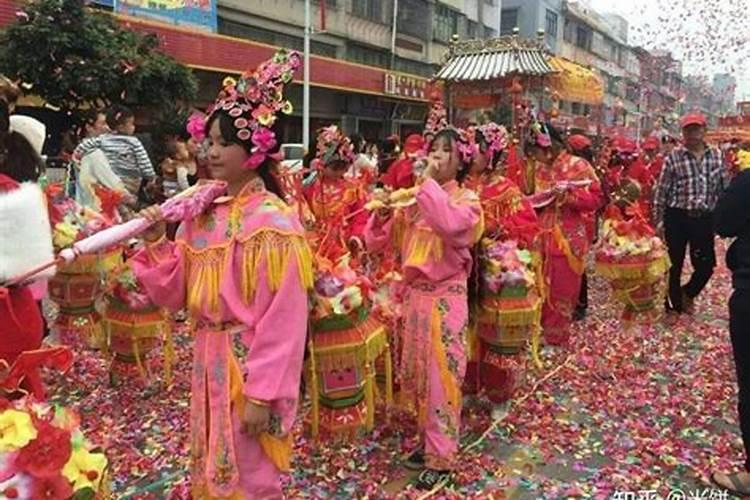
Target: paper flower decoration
[(43, 454), (254, 101), (16, 430)]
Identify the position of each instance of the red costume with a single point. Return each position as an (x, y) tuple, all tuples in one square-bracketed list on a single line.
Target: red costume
[(567, 226), (27, 242), (338, 208)]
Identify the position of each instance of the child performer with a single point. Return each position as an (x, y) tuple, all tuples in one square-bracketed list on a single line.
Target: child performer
[(566, 226), (242, 267), (438, 231), (336, 202), (509, 216)]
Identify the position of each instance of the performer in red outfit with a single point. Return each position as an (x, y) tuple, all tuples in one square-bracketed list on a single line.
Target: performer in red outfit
[(652, 157), (336, 203), (27, 243), (400, 174), (576, 195)]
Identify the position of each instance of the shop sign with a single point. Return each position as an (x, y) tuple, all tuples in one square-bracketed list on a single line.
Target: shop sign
[(409, 87)]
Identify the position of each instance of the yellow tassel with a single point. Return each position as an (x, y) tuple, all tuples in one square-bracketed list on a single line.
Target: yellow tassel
[(276, 248), (574, 262), (450, 386), (423, 247), (204, 271), (479, 228), (649, 272), (168, 350), (278, 450)]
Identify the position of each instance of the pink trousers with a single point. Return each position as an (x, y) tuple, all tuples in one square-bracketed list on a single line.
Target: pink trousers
[(433, 364)]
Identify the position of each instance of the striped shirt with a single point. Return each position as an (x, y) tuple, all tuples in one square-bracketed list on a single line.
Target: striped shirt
[(690, 184), (126, 155)]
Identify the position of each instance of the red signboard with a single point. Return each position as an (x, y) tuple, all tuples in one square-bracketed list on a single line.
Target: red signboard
[(232, 55)]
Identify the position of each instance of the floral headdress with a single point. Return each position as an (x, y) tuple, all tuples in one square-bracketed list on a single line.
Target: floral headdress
[(196, 127), (334, 146), (467, 144), (539, 135), (254, 100), (437, 118), (495, 137)]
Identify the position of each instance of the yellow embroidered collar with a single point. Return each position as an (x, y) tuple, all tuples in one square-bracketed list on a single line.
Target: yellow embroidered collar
[(253, 186)]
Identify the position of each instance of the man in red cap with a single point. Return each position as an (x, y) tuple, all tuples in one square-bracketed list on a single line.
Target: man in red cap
[(692, 180), (401, 173)]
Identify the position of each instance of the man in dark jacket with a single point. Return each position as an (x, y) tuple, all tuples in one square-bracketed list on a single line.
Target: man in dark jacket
[(732, 220)]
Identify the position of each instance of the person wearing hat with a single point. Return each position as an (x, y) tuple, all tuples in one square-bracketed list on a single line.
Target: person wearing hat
[(400, 174), (692, 180), (573, 195), (26, 244)]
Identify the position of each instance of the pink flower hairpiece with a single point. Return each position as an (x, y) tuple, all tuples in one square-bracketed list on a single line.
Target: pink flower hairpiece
[(254, 100), (437, 118), (196, 127), (495, 136), (333, 145), (467, 145)]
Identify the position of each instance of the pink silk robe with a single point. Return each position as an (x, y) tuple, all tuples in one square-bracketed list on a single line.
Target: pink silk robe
[(434, 237), (243, 267), (567, 233)]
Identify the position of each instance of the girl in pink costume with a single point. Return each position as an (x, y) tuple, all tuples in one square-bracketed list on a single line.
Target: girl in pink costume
[(242, 267), (434, 236)]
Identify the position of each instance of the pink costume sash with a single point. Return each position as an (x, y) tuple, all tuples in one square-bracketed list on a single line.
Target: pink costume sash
[(214, 459)]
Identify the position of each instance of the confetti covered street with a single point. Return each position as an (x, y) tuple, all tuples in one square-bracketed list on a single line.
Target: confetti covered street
[(623, 411)]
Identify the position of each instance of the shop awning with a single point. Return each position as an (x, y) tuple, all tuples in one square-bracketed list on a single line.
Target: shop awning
[(576, 83), (478, 60)]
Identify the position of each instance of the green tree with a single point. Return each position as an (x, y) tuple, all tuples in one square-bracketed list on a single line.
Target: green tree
[(71, 55)]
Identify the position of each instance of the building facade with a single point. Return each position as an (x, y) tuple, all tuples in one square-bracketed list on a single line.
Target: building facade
[(362, 32), (365, 76)]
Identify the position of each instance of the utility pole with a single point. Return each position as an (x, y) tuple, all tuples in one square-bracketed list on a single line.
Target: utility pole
[(394, 30), (306, 81)]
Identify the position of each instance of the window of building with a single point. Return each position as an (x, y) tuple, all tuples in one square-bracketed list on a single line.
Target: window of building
[(569, 31), (583, 37), (551, 23), (368, 9), (413, 18), (366, 55), (239, 30), (471, 29), (415, 67), (508, 21), (575, 108), (446, 23)]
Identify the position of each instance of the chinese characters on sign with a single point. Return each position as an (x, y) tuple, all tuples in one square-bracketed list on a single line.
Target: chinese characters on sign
[(405, 86)]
